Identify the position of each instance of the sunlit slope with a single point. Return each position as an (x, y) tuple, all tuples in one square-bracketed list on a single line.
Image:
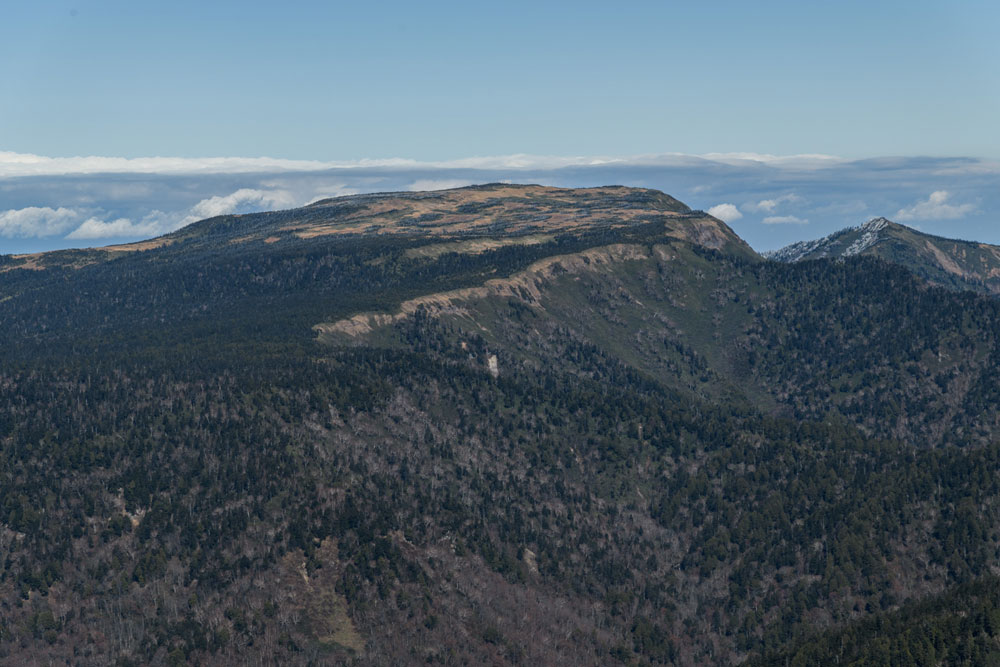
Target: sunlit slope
[(474, 212)]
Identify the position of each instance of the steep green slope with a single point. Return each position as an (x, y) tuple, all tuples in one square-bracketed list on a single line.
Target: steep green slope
[(809, 341), (946, 262), (626, 440)]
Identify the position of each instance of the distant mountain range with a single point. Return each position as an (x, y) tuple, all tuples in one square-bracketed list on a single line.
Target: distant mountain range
[(501, 424), (940, 261)]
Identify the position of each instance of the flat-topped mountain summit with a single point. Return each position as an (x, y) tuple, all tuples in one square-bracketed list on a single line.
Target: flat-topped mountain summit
[(946, 262), (336, 258), (485, 209), (479, 211), (507, 210)]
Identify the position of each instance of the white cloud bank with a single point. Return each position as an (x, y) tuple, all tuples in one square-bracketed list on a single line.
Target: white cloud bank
[(769, 205), (244, 200), (936, 207), (26, 164), (805, 161), (89, 223), (95, 228), (14, 165), (37, 221), (725, 212), (42, 222)]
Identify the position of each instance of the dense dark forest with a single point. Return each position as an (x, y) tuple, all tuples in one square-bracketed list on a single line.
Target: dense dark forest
[(641, 447)]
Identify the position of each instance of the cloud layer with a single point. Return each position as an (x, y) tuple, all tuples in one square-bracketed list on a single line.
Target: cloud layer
[(769, 205), (725, 212), (244, 200), (935, 207), (48, 203), (95, 228), (26, 164), (36, 221)]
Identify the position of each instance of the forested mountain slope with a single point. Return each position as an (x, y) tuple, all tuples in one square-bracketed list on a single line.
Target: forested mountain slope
[(961, 627), (605, 431)]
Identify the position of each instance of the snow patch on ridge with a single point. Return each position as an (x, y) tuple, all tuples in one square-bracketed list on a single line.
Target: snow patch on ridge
[(799, 250), (868, 235)]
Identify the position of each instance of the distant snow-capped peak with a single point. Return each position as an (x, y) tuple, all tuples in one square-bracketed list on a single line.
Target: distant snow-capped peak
[(868, 234)]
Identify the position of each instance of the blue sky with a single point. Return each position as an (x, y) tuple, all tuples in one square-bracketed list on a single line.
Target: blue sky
[(444, 80), (436, 82)]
